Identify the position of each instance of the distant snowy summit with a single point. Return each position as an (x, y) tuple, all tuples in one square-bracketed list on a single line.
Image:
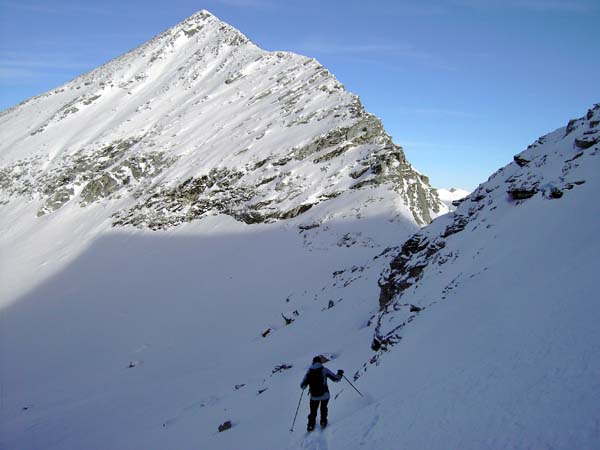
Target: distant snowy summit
[(447, 196), (200, 121)]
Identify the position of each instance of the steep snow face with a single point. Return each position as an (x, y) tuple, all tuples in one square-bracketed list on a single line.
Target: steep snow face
[(555, 167), (490, 314)]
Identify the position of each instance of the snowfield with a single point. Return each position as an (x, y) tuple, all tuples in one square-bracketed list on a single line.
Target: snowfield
[(161, 274), (447, 196)]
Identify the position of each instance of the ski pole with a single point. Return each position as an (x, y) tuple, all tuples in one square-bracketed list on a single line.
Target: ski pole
[(353, 386), (297, 409)]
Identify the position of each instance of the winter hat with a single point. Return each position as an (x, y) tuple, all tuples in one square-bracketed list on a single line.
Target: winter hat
[(318, 359)]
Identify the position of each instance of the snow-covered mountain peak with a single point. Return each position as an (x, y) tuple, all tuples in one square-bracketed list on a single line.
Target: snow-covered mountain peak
[(200, 16), (194, 123), (220, 31), (196, 110)]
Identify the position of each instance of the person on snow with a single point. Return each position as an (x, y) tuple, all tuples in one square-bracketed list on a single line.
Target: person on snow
[(316, 379)]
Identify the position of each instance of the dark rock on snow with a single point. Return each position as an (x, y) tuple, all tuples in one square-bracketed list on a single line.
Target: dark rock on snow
[(225, 426), (521, 193), (520, 160)]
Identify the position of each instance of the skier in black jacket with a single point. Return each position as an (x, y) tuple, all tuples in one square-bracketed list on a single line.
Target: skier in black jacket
[(316, 378)]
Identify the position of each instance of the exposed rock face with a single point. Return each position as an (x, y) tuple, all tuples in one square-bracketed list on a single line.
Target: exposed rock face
[(520, 160), (521, 193), (588, 140), (200, 121), (95, 174)]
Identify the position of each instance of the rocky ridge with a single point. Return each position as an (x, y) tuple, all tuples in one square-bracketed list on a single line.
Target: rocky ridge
[(548, 170)]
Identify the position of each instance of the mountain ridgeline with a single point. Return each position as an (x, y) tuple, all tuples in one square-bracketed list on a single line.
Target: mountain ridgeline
[(201, 121)]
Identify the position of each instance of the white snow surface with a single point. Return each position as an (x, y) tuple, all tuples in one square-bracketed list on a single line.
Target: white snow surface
[(447, 196), (126, 338), (503, 353)]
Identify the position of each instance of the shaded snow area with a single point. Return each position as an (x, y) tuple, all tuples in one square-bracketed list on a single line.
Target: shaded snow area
[(154, 339), (184, 228)]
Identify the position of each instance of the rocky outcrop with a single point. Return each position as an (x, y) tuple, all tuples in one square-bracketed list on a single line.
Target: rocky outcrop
[(230, 191), (521, 193), (225, 426), (588, 140), (520, 160), (95, 174), (164, 207)]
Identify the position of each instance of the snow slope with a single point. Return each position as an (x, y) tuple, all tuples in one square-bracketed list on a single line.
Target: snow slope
[(187, 310), (142, 309), (151, 340), (500, 349), (160, 214)]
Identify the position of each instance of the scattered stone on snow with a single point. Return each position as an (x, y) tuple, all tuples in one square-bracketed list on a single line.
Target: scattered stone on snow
[(225, 426), (522, 193), (281, 368)]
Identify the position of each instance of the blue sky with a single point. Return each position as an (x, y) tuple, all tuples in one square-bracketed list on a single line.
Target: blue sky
[(462, 85)]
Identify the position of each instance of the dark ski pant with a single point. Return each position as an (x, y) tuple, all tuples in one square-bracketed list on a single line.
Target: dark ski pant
[(314, 407)]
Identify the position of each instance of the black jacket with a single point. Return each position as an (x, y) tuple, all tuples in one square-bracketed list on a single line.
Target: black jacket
[(326, 374)]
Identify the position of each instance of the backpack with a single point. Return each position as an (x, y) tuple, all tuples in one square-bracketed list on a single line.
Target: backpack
[(316, 382)]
